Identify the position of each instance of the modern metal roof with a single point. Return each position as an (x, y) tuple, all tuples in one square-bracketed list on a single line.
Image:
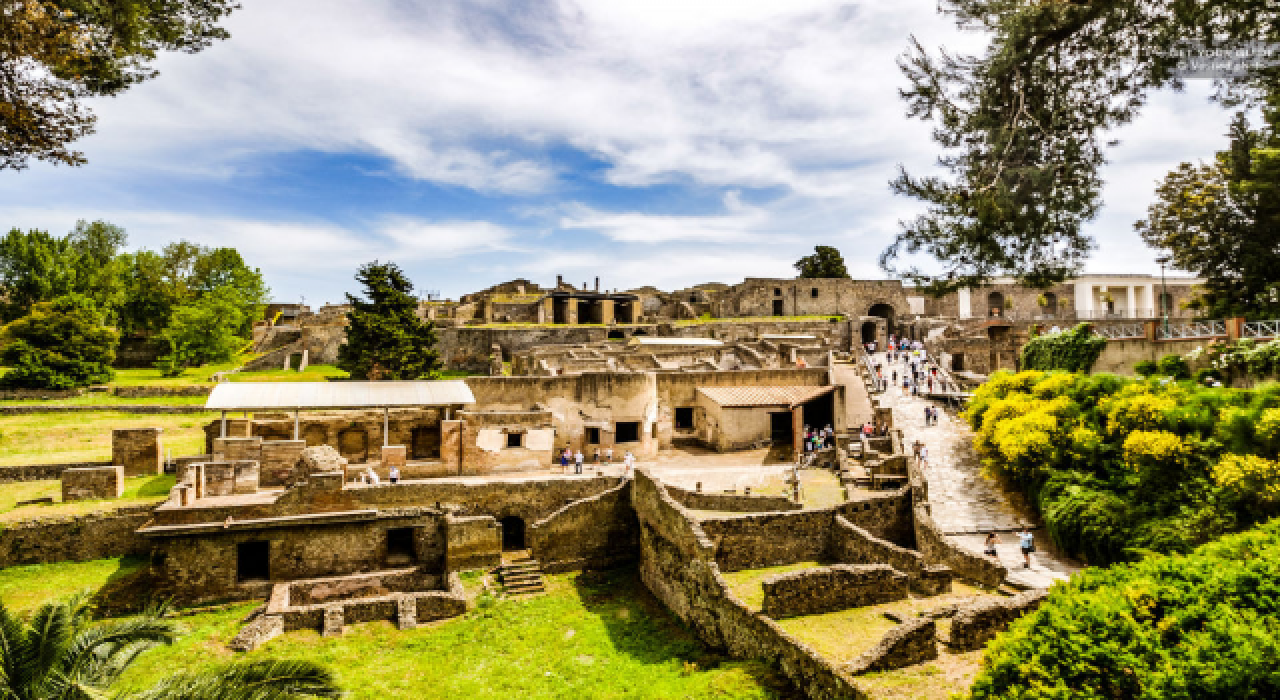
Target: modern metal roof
[(700, 342), (237, 396), (763, 395)]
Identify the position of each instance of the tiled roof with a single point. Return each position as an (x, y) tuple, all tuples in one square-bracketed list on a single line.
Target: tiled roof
[(763, 395)]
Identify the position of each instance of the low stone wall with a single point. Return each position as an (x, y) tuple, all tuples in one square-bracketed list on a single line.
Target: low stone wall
[(976, 624), (853, 545), (910, 643), (154, 409), (939, 550), (885, 515), (761, 540), (92, 483), (39, 394), (677, 564), (40, 472), (592, 533), (74, 537), (730, 503), (156, 392), (830, 588), (472, 542)]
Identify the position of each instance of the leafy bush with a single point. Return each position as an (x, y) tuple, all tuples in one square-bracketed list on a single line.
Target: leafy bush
[(1116, 466), (1205, 625), (1074, 351), (1175, 366), (1145, 368), (61, 344)]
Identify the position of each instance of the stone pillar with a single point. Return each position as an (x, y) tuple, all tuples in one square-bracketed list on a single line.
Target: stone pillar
[(92, 483), (546, 310), (571, 311), (1235, 329), (1133, 306), (606, 312), (1149, 330), (395, 455), (139, 450), (451, 445), (797, 430)]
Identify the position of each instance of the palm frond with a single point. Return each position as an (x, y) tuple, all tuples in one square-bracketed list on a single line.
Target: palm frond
[(254, 680)]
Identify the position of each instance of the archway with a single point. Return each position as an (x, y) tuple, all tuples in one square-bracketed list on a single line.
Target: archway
[(353, 444), (617, 335), (868, 332), (424, 442), (995, 304), (512, 532), (884, 311), (957, 362)]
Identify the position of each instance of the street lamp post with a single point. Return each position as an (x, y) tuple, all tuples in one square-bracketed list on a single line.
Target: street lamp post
[(1164, 293)]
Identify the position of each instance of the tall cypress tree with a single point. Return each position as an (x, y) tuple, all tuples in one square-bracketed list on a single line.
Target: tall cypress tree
[(385, 337)]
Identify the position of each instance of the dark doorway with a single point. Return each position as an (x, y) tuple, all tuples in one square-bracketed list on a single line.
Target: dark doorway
[(628, 431), (515, 439), (684, 418), (353, 444), (400, 549), (884, 311), (592, 436), (639, 332), (1050, 303), (777, 307), (957, 362), (819, 413), (253, 561), (589, 311), (559, 310), (624, 312), (617, 335), (868, 332), (512, 532), (425, 442), (780, 428), (995, 304)]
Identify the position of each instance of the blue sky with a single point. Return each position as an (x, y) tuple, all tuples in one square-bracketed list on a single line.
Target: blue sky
[(654, 142)]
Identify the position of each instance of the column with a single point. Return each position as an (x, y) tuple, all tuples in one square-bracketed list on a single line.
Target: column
[(964, 303), (1133, 307), (606, 311)]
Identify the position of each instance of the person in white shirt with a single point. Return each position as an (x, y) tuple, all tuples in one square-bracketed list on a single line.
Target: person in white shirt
[(629, 461), (374, 479), (577, 462), (394, 474)]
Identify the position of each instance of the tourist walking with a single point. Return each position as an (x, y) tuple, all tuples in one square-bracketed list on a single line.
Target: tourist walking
[(564, 460), (394, 474), (927, 415), (629, 461), (1027, 542), (922, 459), (577, 462), (608, 455), (989, 547)]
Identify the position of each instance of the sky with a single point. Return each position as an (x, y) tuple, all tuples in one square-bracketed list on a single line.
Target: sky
[(662, 142)]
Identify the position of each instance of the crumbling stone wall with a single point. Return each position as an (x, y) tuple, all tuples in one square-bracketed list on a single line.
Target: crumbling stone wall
[(853, 545), (978, 623), (593, 533), (40, 472), (472, 542), (730, 502), (760, 540), (913, 642), (74, 537), (92, 483), (830, 588)]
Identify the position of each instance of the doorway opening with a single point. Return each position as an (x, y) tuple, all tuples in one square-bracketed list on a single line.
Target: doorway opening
[(400, 549), (780, 427), (253, 561), (512, 532)]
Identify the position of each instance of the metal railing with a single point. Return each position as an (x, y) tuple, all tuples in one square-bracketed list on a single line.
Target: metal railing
[(1121, 330), (1260, 329), (1193, 329)]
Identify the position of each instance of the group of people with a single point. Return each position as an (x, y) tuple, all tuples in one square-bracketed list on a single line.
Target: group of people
[(569, 456), (1026, 542), (930, 415), (816, 440), (878, 430)]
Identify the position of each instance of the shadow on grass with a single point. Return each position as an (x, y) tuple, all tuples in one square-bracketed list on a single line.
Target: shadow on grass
[(129, 589), (640, 626)]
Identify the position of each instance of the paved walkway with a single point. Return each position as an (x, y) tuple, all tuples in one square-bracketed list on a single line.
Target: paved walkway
[(966, 504)]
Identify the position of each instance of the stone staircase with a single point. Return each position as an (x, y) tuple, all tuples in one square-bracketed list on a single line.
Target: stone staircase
[(520, 574)]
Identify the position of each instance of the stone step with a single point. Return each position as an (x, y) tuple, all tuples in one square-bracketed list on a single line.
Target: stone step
[(334, 619)]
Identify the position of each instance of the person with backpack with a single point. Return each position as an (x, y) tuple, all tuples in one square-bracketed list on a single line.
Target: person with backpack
[(1027, 542)]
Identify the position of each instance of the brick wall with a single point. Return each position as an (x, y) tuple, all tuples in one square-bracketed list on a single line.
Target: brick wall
[(92, 483), (830, 588)]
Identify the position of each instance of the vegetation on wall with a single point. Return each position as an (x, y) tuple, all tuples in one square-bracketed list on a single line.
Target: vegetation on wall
[(1116, 466), (1243, 359), (1074, 351), (1202, 625)]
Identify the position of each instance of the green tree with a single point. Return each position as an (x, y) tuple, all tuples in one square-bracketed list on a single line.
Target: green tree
[(825, 263), (95, 260), (57, 53), (224, 269), (61, 344), (205, 330), (386, 339), (149, 294), (1221, 221), (59, 653), (34, 266), (1022, 126)]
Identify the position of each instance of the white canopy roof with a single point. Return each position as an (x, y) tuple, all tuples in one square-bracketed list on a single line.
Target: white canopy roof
[(238, 396)]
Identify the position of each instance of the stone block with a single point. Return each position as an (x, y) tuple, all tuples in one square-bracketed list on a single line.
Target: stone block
[(226, 449), (933, 580), (326, 481), (139, 450), (472, 543), (394, 456), (830, 588), (92, 483), (279, 460), (246, 476), (219, 479)]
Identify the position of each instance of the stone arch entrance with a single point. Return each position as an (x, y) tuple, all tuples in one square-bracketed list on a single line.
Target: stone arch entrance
[(885, 311), (512, 532)]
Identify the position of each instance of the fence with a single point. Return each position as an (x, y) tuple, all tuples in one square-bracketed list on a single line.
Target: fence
[(1121, 330), (1192, 329)]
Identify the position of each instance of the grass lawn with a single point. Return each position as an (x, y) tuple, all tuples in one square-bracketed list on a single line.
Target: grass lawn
[(196, 375), (950, 675), (85, 437), (313, 373), (590, 636), (138, 490), (105, 399), (746, 583)]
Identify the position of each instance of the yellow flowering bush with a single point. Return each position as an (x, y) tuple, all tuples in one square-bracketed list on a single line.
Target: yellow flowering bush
[(1084, 442), (1027, 441), (1250, 475), (1153, 448), (1142, 411), (1053, 385), (1268, 427)]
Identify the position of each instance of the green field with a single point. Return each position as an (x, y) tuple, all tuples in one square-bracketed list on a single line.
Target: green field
[(138, 490), (589, 636), (42, 438)]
